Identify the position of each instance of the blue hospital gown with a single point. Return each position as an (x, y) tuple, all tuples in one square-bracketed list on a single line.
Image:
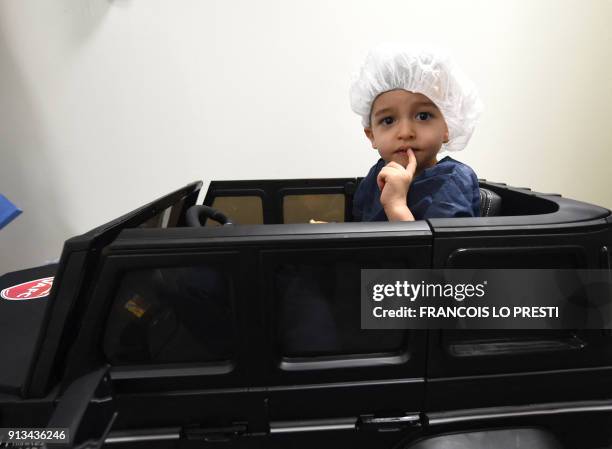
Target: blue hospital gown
[(448, 189)]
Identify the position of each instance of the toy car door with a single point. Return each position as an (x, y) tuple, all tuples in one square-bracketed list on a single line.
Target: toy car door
[(330, 381), (477, 368)]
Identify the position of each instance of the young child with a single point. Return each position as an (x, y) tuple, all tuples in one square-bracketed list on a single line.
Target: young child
[(414, 103)]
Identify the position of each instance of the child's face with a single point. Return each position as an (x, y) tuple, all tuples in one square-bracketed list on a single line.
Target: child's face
[(402, 120)]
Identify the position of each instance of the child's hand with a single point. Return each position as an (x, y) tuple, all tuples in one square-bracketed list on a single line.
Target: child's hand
[(394, 181)]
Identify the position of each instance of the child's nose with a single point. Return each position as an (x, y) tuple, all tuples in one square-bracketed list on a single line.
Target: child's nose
[(406, 130)]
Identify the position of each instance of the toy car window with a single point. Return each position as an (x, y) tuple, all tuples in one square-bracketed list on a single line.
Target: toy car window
[(240, 209), (318, 311), (320, 207), (497, 342), (171, 315)]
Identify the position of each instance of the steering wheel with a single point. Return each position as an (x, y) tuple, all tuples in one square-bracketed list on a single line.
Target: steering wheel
[(196, 215)]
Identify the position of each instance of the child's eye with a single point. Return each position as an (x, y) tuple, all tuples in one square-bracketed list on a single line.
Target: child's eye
[(387, 120), (423, 116)]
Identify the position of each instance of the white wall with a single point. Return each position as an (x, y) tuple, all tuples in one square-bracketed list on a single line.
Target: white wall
[(106, 105)]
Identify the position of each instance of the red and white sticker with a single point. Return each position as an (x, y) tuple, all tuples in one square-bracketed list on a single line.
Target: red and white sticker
[(38, 288)]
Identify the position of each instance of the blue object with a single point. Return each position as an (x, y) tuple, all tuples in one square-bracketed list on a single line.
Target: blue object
[(8, 211), (446, 190)]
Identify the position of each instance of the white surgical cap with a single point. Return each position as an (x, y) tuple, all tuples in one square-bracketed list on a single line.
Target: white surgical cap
[(423, 70)]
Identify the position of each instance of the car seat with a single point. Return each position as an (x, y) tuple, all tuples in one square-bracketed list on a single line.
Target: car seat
[(490, 203)]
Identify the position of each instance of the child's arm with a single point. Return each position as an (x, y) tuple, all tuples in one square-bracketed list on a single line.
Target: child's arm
[(399, 213), (394, 181)]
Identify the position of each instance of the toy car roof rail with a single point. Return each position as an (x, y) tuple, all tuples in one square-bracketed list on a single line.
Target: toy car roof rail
[(223, 235)]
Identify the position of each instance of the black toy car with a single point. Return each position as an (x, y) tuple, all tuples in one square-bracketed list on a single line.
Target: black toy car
[(161, 331)]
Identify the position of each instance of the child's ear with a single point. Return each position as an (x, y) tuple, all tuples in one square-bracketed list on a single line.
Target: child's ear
[(370, 135), (446, 136)]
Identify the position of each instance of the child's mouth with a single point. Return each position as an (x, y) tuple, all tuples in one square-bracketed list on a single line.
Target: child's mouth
[(404, 150)]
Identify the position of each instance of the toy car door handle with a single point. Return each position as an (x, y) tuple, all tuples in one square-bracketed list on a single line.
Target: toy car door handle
[(313, 425), (215, 434), (388, 423)]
